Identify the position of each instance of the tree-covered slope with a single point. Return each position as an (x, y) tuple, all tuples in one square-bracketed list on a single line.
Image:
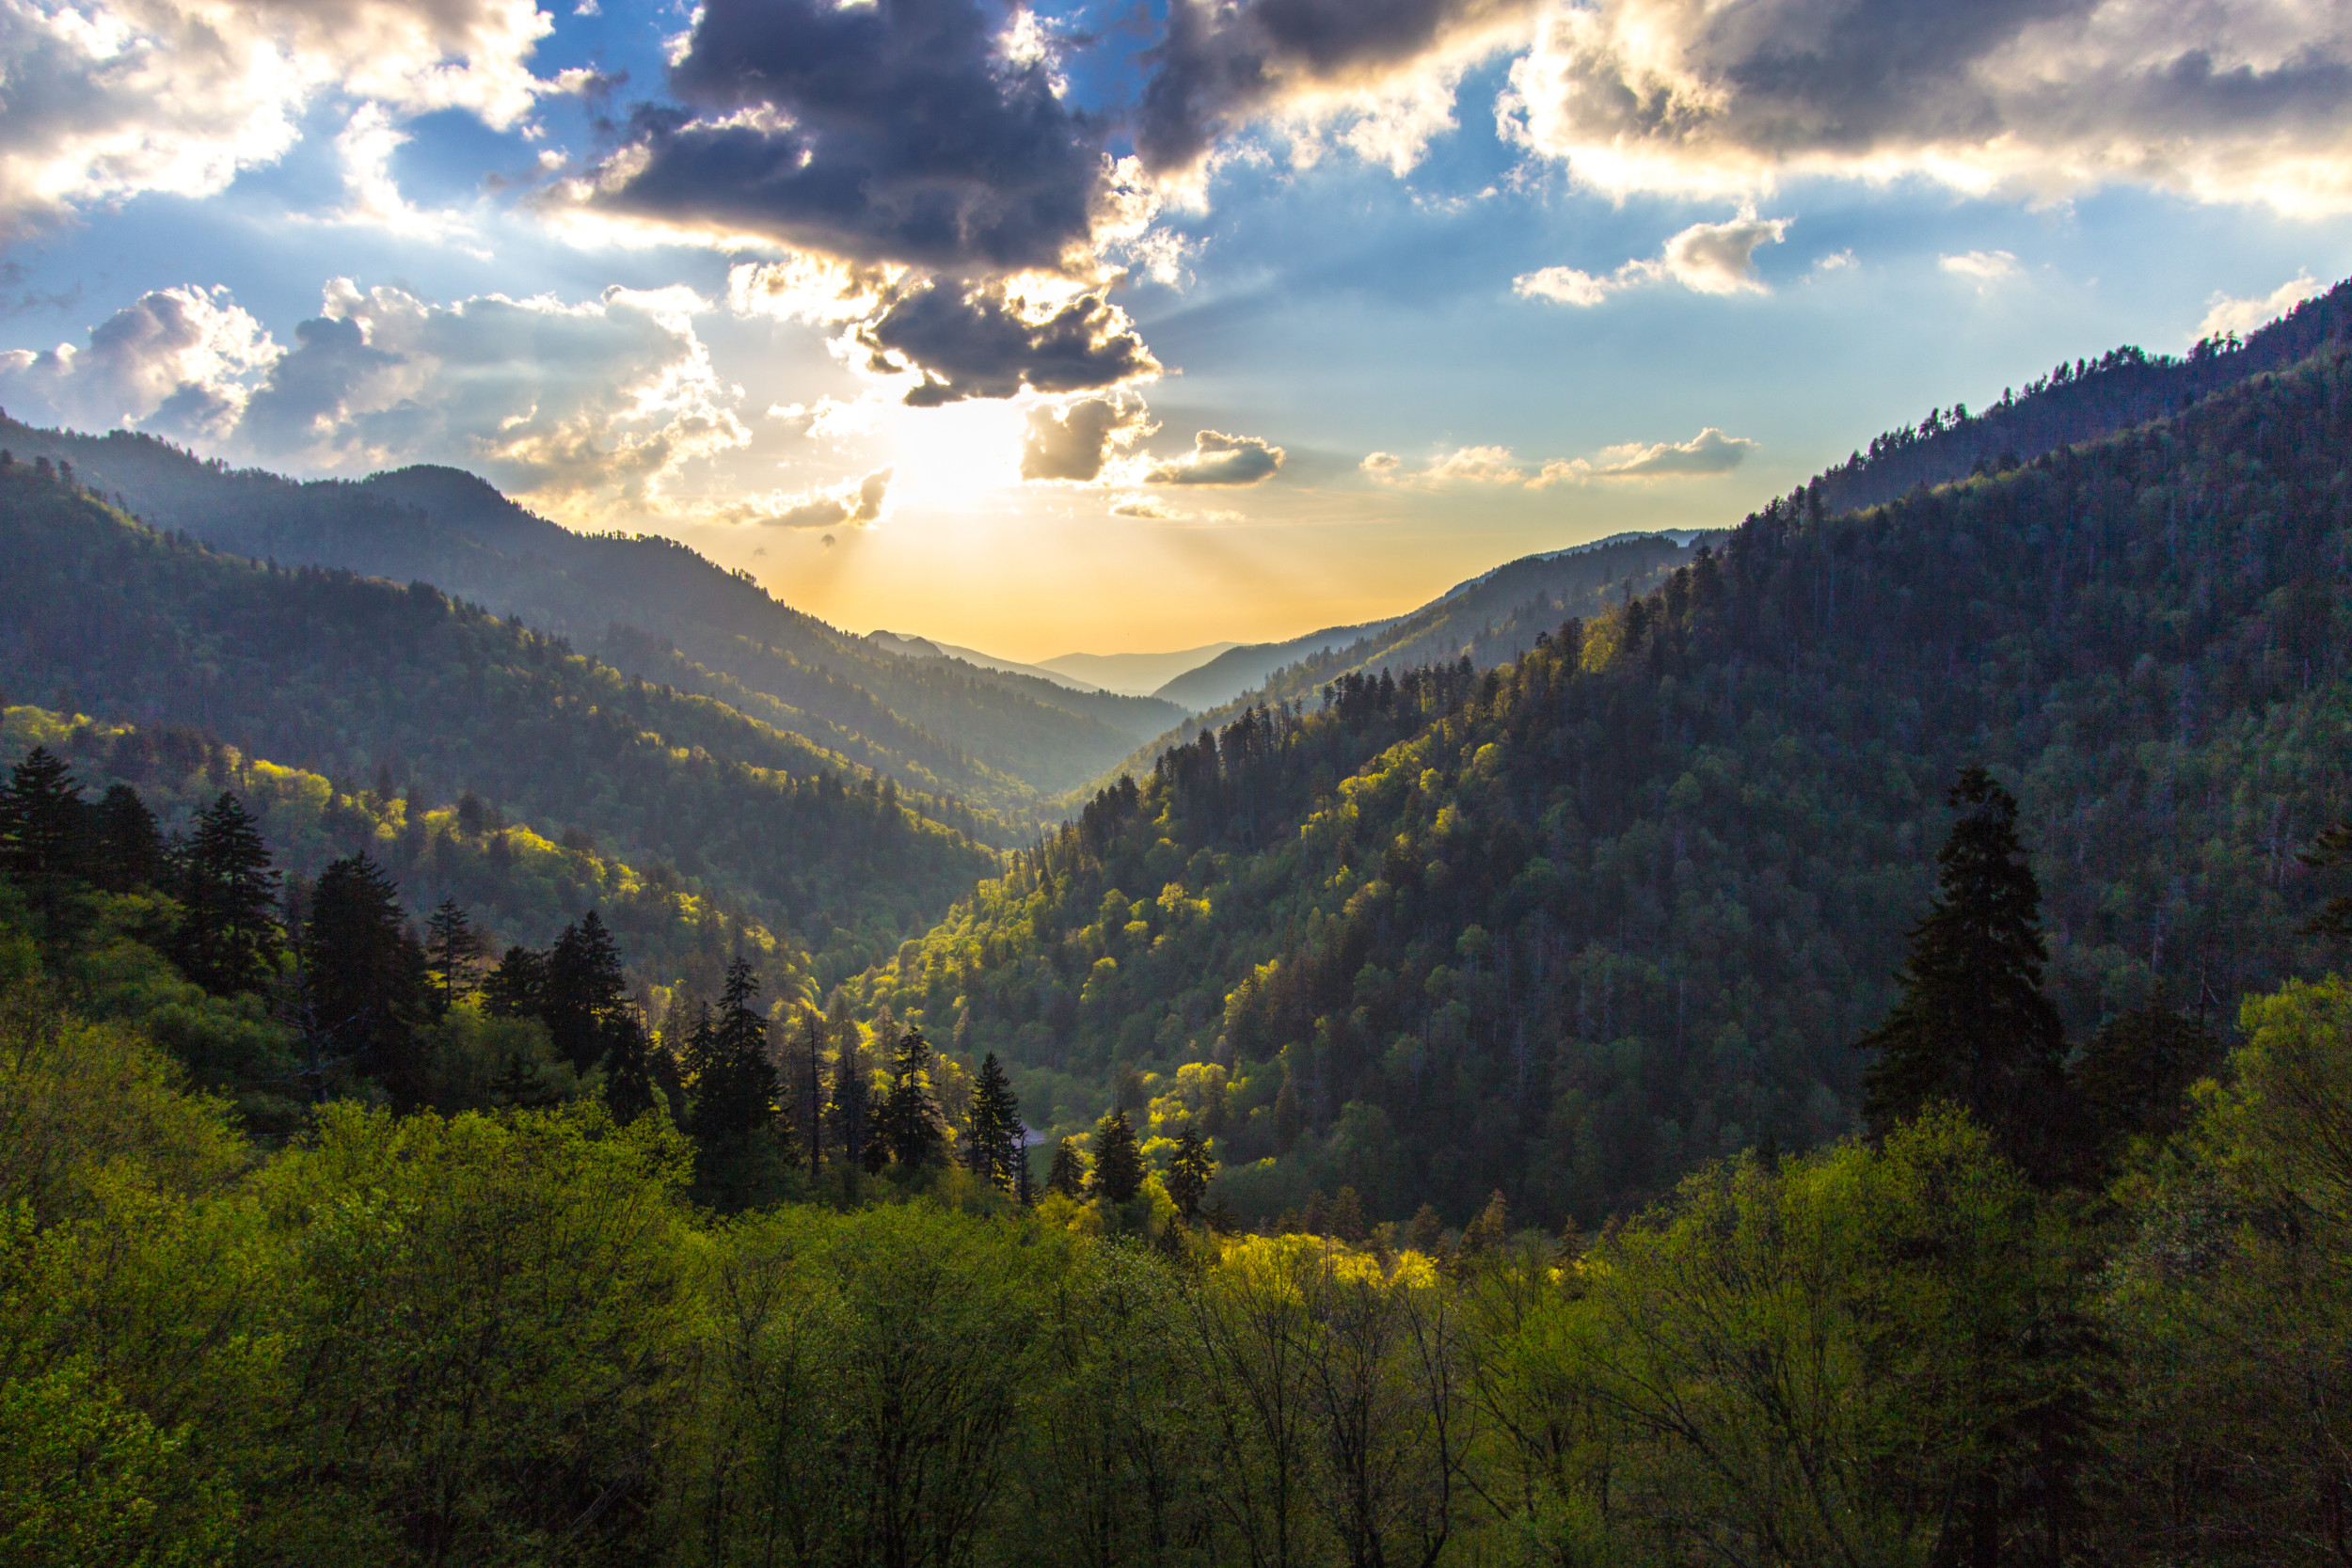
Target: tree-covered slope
[(1567, 927), (343, 675), (947, 726)]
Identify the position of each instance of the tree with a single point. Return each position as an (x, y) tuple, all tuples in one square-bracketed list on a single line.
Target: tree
[(230, 940), (585, 990), (851, 1114), (907, 1120), (1189, 1172), (126, 850), (1067, 1173), (994, 1149), (451, 947), (1973, 1026), (365, 975), (518, 987), (629, 1077), (41, 827), (735, 1083), (812, 1026), (2332, 848), (1118, 1162)]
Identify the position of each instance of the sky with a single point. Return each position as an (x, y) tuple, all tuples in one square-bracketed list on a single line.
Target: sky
[(1140, 325)]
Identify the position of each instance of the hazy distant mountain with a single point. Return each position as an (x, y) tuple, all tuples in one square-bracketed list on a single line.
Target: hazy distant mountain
[(1243, 666), (1004, 741), (1141, 674)]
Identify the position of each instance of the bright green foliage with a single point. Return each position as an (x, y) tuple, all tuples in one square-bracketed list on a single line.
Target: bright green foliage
[(1573, 927)]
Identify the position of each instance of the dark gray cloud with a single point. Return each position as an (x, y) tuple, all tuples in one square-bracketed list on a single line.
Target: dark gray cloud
[(2234, 99), (899, 130), (1217, 458), (856, 505), (1073, 443), (1219, 62), (977, 341)]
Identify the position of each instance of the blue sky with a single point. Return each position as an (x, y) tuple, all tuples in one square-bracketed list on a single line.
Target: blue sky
[(1123, 327)]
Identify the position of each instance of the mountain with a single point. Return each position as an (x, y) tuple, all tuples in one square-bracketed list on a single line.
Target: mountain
[(1141, 674), (1567, 926), (1140, 716), (1241, 667), (355, 679), (940, 727)]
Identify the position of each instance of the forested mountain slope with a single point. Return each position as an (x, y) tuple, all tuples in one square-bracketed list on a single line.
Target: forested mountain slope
[(2076, 402), (1567, 927), (1239, 669), (947, 726), (346, 677), (1492, 617)]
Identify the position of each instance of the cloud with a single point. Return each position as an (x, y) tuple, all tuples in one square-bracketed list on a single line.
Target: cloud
[(184, 362), (2226, 100), (1073, 442), (853, 503), (1711, 451), (906, 132), (993, 340), (2243, 316), (1706, 258), (582, 407), (107, 99), (1386, 71), (1985, 266), (1216, 458), (1153, 509)]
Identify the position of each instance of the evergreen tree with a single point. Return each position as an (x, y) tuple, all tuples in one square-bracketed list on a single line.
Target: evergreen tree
[(1024, 1186), (517, 987), (1189, 1172), (2332, 848), (1067, 1175), (364, 975), (994, 1147), (41, 831), (734, 1085), (1118, 1161), (230, 940), (585, 990), (853, 1117), (1972, 1025), (628, 1075), (813, 1028), (127, 852), (451, 947), (912, 1128)]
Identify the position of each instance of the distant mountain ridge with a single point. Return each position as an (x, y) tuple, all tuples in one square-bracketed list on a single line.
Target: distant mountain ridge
[(1242, 667), (1142, 675)]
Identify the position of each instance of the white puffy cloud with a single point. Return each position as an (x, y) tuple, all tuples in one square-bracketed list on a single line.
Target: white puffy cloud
[(1984, 266), (1217, 458), (1705, 257), (100, 99), (1711, 451), (580, 407), (2242, 316), (2222, 99), (1153, 509), (181, 361)]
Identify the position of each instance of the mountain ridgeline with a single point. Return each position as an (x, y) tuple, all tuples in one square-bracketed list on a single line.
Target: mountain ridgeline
[(1564, 928), (655, 606), (352, 679)]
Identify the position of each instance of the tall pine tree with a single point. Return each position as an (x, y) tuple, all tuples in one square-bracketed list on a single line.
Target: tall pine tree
[(734, 1085), (1067, 1175), (452, 946), (1972, 1025), (585, 990), (230, 940), (1118, 1161), (364, 978), (992, 1151), (908, 1119), (41, 831), (126, 851), (1189, 1172)]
